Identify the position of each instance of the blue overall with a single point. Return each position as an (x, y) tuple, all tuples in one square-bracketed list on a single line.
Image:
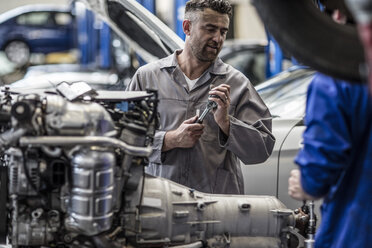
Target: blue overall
[(336, 161)]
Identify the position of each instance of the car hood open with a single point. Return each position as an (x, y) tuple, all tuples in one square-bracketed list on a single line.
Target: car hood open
[(151, 38)]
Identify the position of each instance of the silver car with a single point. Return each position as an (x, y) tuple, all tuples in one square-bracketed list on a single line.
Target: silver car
[(285, 96)]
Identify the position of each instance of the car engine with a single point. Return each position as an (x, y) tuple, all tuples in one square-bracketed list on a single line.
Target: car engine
[(72, 175)]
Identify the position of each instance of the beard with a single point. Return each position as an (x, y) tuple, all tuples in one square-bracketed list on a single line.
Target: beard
[(205, 53)]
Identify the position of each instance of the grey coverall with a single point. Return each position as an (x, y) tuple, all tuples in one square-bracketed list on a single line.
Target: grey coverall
[(212, 165)]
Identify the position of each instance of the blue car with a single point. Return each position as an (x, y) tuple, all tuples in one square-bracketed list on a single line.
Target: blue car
[(36, 29)]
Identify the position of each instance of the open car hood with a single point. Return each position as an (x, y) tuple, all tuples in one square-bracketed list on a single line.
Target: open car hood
[(150, 37)]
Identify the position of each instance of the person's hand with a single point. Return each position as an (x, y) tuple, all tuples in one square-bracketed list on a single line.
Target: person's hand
[(221, 114), (185, 136), (294, 187)]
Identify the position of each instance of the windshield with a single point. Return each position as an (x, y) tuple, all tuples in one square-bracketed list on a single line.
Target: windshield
[(285, 95)]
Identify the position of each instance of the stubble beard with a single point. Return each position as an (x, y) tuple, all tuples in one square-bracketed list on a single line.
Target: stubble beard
[(202, 54)]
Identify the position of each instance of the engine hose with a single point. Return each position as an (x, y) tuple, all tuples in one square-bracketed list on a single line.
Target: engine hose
[(12, 135), (313, 38), (86, 140), (198, 244)]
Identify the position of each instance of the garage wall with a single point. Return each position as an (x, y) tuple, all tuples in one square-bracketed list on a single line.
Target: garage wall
[(247, 23)]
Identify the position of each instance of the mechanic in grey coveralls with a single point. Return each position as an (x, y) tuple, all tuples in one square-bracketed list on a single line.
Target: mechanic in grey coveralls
[(205, 156)]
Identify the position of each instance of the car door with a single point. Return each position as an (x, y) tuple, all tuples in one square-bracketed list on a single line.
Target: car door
[(290, 147), (286, 101), (64, 30), (42, 32), (262, 179)]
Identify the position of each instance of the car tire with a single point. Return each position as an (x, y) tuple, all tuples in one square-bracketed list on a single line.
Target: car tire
[(313, 38), (17, 52)]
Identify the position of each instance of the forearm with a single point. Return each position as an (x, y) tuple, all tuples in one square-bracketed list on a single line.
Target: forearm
[(251, 143), (316, 181), (225, 126), (169, 142)]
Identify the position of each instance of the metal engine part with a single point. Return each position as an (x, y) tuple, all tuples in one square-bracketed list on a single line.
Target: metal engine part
[(90, 206), (172, 214), (33, 228), (73, 176), (22, 176), (80, 118)]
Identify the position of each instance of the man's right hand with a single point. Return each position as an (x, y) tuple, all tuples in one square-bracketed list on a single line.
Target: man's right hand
[(185, 136), (295, 189)]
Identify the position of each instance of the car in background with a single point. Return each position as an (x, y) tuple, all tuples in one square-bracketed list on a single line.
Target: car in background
[(37, 28), (144, 36), (248, 56), (285, 96)]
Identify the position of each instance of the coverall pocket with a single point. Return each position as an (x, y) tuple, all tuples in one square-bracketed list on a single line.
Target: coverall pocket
[(225, 183)]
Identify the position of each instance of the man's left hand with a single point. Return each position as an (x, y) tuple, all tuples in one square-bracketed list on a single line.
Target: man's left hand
[(221, 114)]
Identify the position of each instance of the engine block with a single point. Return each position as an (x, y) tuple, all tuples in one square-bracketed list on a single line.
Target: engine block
[(72, 175)]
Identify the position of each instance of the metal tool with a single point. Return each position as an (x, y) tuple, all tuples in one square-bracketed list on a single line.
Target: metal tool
[(310, 241), (210, 105)]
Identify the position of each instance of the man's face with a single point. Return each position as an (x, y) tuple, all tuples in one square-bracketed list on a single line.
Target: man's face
[(207, 34)]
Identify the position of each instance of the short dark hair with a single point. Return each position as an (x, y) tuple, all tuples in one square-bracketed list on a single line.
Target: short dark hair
[(221, 6)]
